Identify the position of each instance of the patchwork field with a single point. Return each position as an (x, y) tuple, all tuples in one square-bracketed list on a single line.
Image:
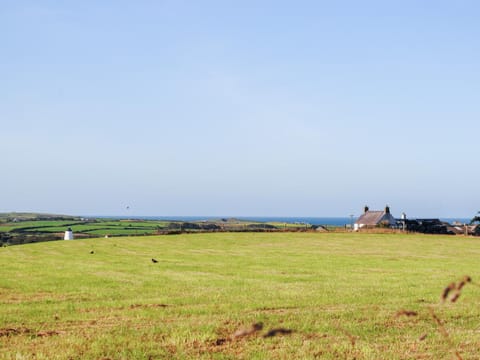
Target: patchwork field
[(28, 229), (242, 296)]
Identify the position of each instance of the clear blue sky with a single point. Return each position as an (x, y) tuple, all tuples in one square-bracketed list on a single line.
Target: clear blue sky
[(275, 108)]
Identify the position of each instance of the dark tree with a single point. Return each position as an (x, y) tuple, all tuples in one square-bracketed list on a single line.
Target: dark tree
[(476, 218)]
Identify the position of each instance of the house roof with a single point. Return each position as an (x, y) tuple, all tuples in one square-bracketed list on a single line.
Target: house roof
[(370, 217)]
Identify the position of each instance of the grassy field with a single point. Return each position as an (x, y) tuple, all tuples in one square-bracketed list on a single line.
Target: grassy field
[(343, 296), (99, 227), (28, 229)]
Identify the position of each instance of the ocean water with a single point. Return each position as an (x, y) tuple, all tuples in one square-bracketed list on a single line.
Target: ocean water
[(332, 221)]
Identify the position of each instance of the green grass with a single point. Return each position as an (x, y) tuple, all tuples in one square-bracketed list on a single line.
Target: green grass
[(36, 225), (98, 228), (52, 229), (338, 292)]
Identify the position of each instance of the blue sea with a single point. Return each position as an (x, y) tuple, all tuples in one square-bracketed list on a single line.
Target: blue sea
[(331, 221)]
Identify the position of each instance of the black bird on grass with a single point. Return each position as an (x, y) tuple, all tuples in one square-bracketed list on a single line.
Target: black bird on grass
[(154, 261), (92, 252)]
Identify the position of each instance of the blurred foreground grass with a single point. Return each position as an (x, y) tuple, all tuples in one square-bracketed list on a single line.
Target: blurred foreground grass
[(339, 293)]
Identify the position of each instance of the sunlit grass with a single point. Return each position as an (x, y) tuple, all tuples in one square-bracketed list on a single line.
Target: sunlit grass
[(338, 292)]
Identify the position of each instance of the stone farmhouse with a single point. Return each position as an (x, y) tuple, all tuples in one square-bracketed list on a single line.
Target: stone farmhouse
[(371, 219)]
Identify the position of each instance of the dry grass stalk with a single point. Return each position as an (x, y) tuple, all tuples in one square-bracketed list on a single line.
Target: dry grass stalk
[(466, 279), (408, 313), (444, 332), (440, 325), (455, 296), (423, 337), (447, 290), (454, 289), (14, 331), (49, 333), (278, 331), (352, 338), (240, 333), (245, 332)]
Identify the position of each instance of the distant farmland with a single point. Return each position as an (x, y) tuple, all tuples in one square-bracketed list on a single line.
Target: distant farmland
[(242, 295), (29, 228)]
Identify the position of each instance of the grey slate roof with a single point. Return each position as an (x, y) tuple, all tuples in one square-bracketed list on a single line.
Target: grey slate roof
[(373, 218), (370, 218)]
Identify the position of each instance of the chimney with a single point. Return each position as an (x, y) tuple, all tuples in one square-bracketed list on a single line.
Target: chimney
[(365, 209), (387, 209)]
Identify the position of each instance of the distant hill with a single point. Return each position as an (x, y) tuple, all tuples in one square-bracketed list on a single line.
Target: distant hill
[(26, 216)]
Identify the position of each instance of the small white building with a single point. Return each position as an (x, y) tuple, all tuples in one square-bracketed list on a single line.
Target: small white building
[(68, 234)]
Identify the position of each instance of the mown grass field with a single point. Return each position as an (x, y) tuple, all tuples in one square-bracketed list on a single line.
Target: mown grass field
[(339, 293)]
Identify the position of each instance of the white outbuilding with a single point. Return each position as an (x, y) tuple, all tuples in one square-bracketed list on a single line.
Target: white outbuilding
[(68, 234)]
